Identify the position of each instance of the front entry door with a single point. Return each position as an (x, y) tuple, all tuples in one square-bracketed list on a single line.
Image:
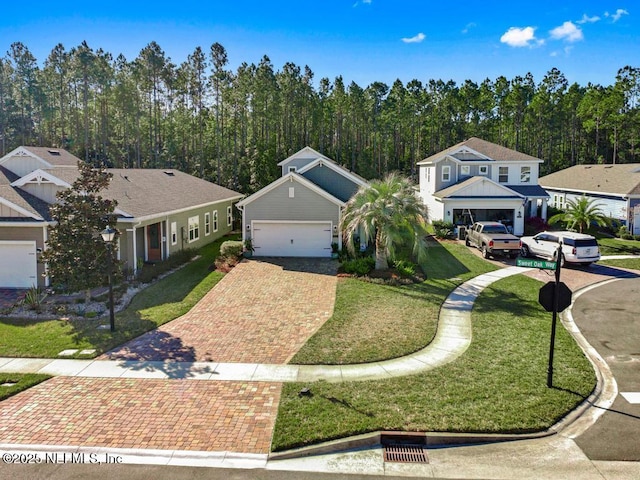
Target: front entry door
[(154, 247)]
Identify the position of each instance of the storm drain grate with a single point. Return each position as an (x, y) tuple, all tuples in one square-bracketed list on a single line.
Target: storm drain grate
[(405, 454)]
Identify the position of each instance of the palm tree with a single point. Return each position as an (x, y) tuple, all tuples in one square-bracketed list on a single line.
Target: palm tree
[(581, 212), (389, 213)]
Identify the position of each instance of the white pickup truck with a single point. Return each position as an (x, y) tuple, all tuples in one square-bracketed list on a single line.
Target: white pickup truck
[(492, 238)]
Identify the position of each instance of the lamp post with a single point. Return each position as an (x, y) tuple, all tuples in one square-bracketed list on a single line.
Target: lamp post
[(108, 235)]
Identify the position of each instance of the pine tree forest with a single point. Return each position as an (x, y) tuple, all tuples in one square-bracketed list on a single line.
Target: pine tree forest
[(232, 127)]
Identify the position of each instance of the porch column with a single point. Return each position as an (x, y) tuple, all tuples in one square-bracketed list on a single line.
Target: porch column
[(544, 209)]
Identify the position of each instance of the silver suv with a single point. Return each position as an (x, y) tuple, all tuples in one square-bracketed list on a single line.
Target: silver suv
[(576, 247)]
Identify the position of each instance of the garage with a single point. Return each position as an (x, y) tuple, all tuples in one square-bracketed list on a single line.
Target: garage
[(18, 266), (291, 239)]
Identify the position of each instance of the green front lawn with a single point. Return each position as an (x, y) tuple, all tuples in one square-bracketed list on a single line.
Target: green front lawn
[(374, 322), (160, 303), (498, 385), (617, 246)]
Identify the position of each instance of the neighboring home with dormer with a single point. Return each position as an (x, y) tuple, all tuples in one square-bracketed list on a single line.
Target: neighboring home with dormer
[(477, 180), (613, 188), (159, 211), (298, 215)]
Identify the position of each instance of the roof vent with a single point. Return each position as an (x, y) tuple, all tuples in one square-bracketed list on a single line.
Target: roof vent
[(608, 166), (54, 152), (588, 166), (169, 173)]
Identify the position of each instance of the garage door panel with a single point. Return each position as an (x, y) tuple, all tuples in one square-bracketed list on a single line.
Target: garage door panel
[(292, 239), (18, 266)]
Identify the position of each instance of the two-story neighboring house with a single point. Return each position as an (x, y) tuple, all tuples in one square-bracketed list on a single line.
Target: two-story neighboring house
[(477, 180)]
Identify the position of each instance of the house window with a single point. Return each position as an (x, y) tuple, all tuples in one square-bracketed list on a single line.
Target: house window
[(292, 192), (446, 173), (503, 174), (215, 220), (174, 233), (194, 228), (207, 223), (525, 174), (428, 169), (483, 170), (292, 169), (229, 217), (465, 170)]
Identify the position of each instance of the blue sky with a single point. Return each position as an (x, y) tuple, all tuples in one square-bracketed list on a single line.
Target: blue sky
[(362, 40)]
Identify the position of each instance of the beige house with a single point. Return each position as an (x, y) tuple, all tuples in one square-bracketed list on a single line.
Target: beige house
[(159, 211)]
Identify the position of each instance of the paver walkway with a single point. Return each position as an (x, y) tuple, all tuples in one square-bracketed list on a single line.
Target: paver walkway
[(261, 312)]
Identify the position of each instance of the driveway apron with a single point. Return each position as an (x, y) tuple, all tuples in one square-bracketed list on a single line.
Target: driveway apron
[(263, 311)]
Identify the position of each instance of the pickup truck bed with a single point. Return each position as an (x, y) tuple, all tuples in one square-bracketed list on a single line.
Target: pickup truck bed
[(492, 238)]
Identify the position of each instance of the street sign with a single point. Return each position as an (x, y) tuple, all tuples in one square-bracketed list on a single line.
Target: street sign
[(547, 293), (532, 263)]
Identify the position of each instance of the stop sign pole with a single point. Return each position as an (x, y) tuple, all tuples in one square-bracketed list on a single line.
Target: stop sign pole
[(554, 318)]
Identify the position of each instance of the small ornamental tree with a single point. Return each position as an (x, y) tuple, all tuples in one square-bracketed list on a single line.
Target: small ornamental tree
[(76, 254), (581, 212)]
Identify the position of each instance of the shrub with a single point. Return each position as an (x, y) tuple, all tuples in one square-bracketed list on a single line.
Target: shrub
[(359, 266), (622, 231), (443, 229), (626, 236), (224, 263), (636, 238), (231, 248), (33, 299), (535, 225), (405, 268)]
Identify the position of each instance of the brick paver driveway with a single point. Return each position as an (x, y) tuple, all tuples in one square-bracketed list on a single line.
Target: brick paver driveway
[(263, 311), (143, 413)]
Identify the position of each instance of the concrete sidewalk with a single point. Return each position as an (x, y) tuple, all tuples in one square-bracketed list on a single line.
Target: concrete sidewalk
[(452, 339)]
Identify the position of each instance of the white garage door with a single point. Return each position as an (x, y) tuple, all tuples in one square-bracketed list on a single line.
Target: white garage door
[(292, 239), (18, 268)]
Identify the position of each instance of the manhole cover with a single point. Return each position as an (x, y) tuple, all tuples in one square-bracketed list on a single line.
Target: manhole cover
[(405, 454)]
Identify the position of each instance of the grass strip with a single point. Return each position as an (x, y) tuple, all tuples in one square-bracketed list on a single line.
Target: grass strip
[(12, 383)]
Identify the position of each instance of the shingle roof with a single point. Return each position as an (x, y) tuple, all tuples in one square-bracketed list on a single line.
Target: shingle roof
[(621, 178), (144, 192), (6, 176), (54, 156), (25, 201), (488, 149)]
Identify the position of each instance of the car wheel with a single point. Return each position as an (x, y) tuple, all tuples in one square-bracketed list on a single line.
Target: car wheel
[(555, 257), (484, 251), (524, 251), (467, 242)]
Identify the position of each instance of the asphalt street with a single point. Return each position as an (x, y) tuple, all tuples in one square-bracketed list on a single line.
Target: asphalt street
[(609, 318)]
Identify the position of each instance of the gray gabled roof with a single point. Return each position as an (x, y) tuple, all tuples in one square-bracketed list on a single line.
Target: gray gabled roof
[(148, 192), (620, 179), (54, 156), (490, 150), (454, 190)]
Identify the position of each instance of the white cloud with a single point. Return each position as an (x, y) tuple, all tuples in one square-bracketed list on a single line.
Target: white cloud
[(519, 37), (468, 27), (415, 39), (616, 16), (586, 19), (567, 31)]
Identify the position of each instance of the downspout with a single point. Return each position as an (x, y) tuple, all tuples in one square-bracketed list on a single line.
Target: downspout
[(45, 238), (134, 253)]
